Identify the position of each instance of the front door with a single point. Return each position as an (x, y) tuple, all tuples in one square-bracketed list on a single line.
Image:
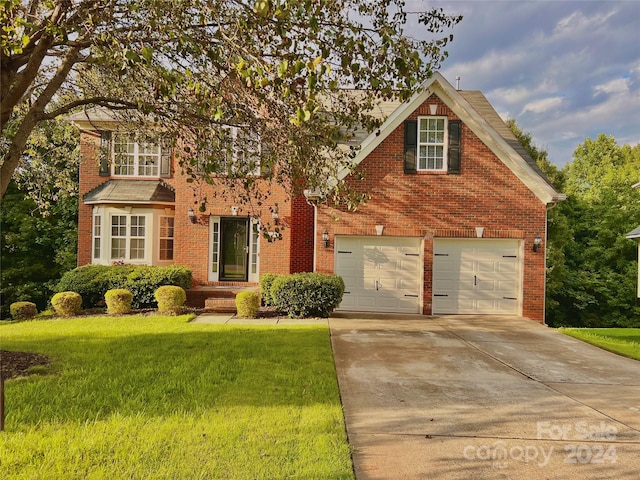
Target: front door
[(234, 249)]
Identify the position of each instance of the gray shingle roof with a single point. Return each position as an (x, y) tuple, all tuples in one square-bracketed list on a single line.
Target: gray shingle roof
[(480, 103), (635, 233), (131, 191)]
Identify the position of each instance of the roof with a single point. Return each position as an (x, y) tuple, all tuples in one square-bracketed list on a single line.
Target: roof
[(635, 233), (480, 103), (131, 192), (476, 113)]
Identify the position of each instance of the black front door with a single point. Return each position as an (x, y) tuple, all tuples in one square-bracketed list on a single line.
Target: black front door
[(234, 249)]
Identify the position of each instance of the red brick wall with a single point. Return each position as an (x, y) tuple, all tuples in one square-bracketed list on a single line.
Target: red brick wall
[(191, 247), (89, 179), (485, 194), (301, 235)]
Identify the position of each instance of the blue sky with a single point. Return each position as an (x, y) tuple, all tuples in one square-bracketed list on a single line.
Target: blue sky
[(565, 70)]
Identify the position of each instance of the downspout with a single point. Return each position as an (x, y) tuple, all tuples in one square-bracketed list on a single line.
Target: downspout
[(312, 199), (546, 246)]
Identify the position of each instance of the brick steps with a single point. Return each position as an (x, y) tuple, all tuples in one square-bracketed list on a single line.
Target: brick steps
[(219, 298), (220, 305)]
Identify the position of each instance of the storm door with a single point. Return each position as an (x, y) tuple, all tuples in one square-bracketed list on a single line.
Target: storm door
[(234, 249)]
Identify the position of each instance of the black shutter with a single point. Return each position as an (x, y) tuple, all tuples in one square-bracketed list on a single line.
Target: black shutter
[(165, 160), (410, 146), (455, 127), (105, 153)]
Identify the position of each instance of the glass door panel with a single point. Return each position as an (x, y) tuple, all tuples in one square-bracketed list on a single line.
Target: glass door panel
[(234, 249)]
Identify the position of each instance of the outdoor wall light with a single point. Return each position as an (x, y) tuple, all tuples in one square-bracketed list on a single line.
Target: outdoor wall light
[(192, 215), (275, 216), (537, 243), (325, 238)]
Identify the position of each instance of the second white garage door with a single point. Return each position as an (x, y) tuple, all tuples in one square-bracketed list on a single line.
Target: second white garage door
[(477, 276), (381, 274)]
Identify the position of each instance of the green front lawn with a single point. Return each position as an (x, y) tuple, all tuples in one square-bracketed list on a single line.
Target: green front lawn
[(624, 341), (150, 397)]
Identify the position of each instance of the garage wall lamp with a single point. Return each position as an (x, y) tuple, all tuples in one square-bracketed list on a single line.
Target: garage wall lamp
[(325, 238), (537, 243), (192, 215)]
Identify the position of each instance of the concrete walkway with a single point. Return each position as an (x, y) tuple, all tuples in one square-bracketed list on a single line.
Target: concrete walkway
[(231, 319), (465, 397)]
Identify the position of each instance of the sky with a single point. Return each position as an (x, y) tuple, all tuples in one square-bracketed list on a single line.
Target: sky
[(566, 70)]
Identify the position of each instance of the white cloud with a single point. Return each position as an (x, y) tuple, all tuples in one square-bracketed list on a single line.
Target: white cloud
[(615, 86), (542, 105)]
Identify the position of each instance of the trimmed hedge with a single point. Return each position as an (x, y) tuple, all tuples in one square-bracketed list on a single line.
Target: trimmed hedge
[(118, 301), (170, 299), (248, 304), (93, 282), (67, 304), (23, 310), (307, 294), (266, 281)]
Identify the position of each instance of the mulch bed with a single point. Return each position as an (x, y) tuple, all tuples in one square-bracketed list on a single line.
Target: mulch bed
[(17, 364)]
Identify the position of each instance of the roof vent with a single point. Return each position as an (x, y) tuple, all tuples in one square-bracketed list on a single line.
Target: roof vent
[(458, 83)]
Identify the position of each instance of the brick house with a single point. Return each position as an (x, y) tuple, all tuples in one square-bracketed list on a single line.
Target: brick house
[(455, 223)]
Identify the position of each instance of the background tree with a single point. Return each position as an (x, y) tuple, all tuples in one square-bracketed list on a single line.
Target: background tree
[(591, 266), (276, 68), (35, 249)]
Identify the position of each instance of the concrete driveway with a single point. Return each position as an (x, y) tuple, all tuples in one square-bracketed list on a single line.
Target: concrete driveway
[(477, 397)]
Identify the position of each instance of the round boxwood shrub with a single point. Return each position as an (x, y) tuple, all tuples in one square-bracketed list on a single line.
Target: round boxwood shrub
[(67, 304), (307, 294), (118, 301), (23, 310), (247, 304), (170, 299)]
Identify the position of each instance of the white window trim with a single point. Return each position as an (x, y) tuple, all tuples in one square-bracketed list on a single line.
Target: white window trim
[(215, 244), (97, 222), (444, 144), (160, 238), (128, 237), (136, 156)]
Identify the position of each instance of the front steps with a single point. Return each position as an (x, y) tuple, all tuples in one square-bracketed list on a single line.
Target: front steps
[(218, 298)]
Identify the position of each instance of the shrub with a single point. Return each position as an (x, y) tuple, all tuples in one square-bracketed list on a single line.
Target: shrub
[(170, 299), (23, 310), (266, 281), (67, 304), (118, 301), (307, 294), (144, 281), (93, 282), (247, 304)]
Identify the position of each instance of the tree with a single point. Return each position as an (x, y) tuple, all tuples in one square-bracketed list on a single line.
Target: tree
[(279, 69), (598, 288), (34, 249), (591, 266)]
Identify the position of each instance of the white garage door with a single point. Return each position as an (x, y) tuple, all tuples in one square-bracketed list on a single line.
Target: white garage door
[(381, 274), (477, 276)]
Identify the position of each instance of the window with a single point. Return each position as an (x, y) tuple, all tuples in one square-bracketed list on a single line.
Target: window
[(140, 157), (432, 136), (240, 153), (128, 237), (97, 236), (166, 238)]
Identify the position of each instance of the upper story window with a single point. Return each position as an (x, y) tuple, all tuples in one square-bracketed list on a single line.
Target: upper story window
[(127, 154), (432, 143), (240, 153)]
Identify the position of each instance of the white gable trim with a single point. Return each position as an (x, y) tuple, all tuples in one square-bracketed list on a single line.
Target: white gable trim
[(439, 86)]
